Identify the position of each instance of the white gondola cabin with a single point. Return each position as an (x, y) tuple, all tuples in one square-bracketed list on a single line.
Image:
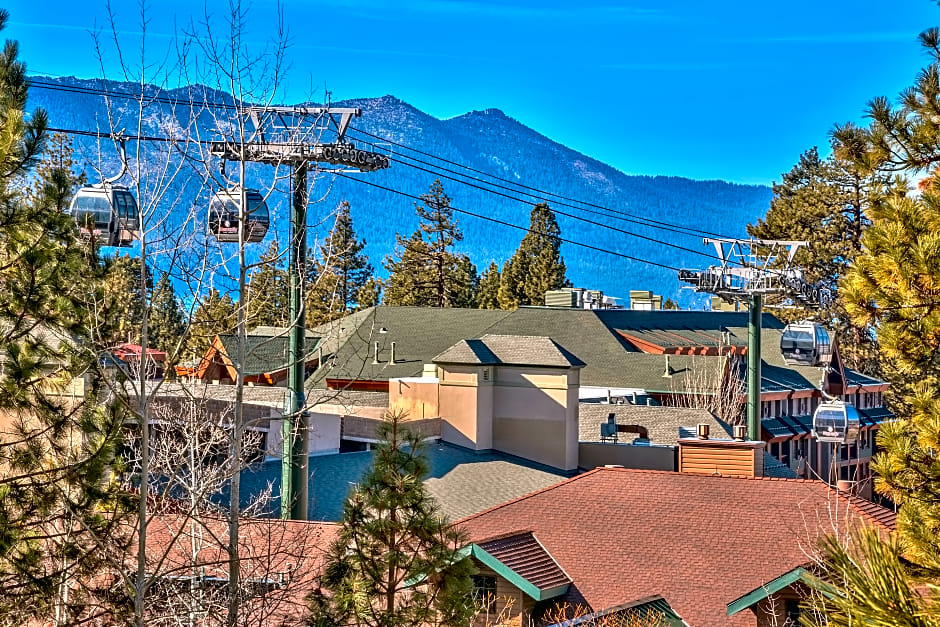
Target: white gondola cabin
[(834, 421), (223, 215), (805, 343), (106, 213)]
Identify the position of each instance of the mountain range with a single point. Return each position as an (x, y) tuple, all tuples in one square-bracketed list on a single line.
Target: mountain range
[(511, 166)]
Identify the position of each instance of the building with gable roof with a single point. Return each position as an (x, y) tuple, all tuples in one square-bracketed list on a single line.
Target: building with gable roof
[(716, 550), (669, 355)]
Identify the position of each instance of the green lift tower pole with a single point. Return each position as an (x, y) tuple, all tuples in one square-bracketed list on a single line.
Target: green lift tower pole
[(294, 472), (753, 366), (275, 141)]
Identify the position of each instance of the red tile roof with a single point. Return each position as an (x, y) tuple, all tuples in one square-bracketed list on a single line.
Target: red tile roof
[(286, 552), (699, 541)]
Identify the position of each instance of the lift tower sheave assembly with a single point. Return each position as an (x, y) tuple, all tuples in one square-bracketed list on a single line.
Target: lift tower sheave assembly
[(297, 137), (750, 268)]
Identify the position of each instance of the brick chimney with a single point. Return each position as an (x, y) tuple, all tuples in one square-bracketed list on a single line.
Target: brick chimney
[(731, 458)]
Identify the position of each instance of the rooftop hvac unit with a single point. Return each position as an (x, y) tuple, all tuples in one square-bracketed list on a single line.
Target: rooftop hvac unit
[(563, 298)]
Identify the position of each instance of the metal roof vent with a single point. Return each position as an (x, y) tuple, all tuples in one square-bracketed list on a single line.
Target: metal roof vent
[(391, 356), (375, 352), (740, 432), (669, 371), (703, 431)]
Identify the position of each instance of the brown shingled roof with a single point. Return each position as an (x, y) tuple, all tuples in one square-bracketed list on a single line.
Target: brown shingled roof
[(523, 553), (699, 541)]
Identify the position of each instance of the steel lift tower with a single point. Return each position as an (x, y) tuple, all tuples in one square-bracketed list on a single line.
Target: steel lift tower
[(750, 268), (297, 137)]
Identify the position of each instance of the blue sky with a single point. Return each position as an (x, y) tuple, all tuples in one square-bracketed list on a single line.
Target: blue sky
[(731, 90)]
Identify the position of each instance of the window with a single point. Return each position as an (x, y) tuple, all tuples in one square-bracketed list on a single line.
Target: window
[(484, 592), (785, 451), (765, 409), (793, 612)]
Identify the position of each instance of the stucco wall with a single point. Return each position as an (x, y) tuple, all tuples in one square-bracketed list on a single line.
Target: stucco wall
[(417, 397)]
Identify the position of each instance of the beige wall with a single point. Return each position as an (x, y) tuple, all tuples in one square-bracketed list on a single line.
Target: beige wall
[(466, 407), (528, 412), (416, 396), (323, 436)]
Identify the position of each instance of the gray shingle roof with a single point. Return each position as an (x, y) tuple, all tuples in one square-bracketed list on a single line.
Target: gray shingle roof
[(596, 336), (662, 423), (463, 482), (516, 350), (419, 333), (264, 353)]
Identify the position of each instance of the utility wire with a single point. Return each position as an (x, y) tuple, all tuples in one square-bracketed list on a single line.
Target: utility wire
[(573, 217), (610, 213), (510, 224), (538, 193), (101, 135)]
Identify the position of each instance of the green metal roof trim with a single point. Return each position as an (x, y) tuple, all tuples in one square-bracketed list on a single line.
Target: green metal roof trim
[(772, 587), (515, 578), (659, 608), (647, 608)]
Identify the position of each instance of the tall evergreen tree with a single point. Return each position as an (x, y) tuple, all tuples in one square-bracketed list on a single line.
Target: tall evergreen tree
[(167, 322), (268, 294), (537, 265), (488, 293), (824, 202), (396, 561), (215, 315), (426, 271), (369, 294), (57, 439), (120, 310), (893, 287), (338, 273)]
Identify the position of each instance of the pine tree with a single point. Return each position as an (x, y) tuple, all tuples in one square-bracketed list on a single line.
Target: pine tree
[(167, 322), (339, 272), (120, 310), (268, 294), (396, 561), (488, 294), (426, 272), (215, 315), (537, 265), (369, 294), (893, 287), (58, 158), (58, 440), (824, 203)]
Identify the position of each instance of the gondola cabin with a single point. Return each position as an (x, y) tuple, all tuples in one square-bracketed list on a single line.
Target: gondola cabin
[(806, 344), (107, 213), (834, 421), (223, 215)]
